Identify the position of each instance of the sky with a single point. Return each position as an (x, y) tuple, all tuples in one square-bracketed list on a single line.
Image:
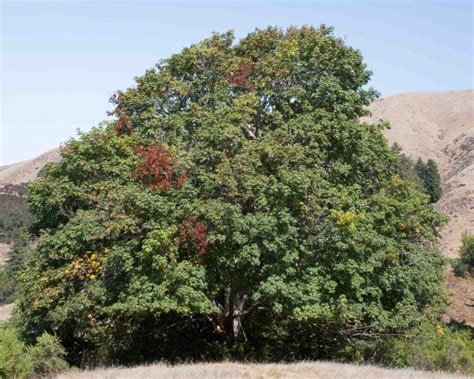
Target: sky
[(62, 60)]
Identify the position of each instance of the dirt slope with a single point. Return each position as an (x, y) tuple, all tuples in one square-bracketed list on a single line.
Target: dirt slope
[(12, 192)]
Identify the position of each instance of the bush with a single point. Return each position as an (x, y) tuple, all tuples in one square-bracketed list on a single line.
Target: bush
[(8, 288), (433, 347), (17, 261), (17, 360), (47, 356), (465, 264), (14, 363)]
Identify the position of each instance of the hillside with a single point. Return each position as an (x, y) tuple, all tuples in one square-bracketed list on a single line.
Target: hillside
[(26, 171), (13, 208)]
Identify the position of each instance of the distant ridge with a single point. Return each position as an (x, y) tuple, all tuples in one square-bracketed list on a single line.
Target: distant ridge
[(26, 171)]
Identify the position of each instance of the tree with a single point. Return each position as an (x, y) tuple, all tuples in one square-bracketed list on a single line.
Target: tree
[(430, 178), (433, 181), (236, 198), (404, 166), (465, 263)]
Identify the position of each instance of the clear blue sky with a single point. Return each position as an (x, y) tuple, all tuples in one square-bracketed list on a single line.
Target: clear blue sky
[(61, 60)]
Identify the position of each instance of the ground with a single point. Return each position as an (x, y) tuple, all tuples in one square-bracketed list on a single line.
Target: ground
[(320, 370)]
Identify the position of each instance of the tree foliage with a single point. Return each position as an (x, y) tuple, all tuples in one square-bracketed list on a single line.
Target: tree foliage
[(11, 270), (430, 178), (236, 207), (464, 265)]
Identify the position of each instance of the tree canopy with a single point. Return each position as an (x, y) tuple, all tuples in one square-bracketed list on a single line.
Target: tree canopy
[(236, 206)]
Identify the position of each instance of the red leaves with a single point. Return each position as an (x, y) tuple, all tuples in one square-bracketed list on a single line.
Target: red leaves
[(156, 170), (239, 77), (182, 179), (122, 126), (193, 233)]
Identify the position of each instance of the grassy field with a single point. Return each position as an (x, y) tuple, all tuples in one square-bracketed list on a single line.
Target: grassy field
[(239, 370)]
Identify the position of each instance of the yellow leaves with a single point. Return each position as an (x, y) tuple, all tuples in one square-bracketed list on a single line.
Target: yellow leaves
[(87, 267), (396, 181), (44, 278), (248, 100), (439, 330), (288, 49), (347, 219)]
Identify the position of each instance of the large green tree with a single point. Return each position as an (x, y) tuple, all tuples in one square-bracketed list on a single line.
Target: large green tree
[(237, 197)]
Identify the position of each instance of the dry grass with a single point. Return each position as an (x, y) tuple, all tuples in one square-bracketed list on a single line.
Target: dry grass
[(5, 311), (240, 370)]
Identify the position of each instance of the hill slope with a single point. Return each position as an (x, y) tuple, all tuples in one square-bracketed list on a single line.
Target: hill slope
[(26, 171)]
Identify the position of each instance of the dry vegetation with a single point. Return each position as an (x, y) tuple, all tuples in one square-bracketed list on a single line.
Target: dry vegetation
[(238, 370)]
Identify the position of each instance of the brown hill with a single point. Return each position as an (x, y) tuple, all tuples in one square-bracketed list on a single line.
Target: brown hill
[(12, 194), (26, 171)]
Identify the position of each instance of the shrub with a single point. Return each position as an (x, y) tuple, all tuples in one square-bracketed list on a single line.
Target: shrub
[(465, 264), (17, 360), (433, 347), (47, 356), (10, 272), (14, 363), (430, 178), (8, 287)]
